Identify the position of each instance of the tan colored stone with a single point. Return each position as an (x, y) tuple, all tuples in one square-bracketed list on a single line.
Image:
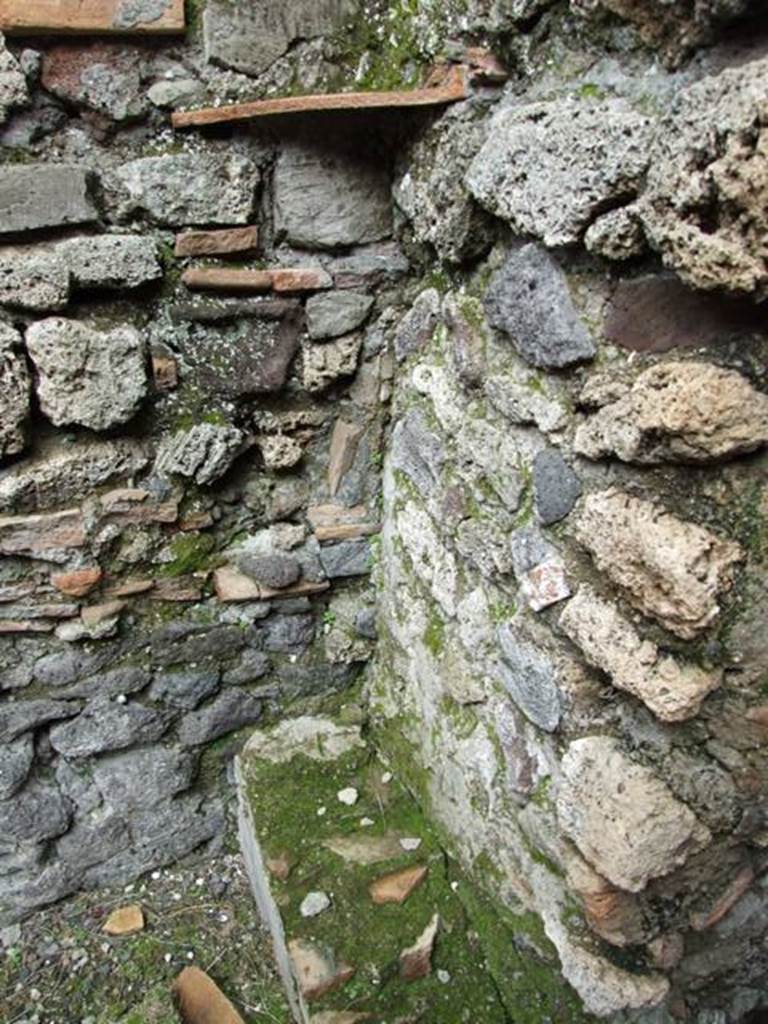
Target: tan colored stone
[(726, 902), (124, 921), (317, 971), (291, 281), (328, 361), (666, 951), (364, 849), (280, 451), (95, 614), (344, 441), (416, 960), (614, 915), (182, 590), (623, 818), (398, 886), (222, 242), (332, 515), (165, 372), (226, 279), (79, 582), (201, 1001), (25, 626), (39, 611), (672, 690), (670, 569), (346, 531), (42, 536), (51, 17), (129, 588), (280, 866), (679, 412), (130, 505), (233, 585)]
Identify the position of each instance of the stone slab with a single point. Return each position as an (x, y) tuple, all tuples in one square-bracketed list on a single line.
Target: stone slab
[(54, 17), (34, 196)]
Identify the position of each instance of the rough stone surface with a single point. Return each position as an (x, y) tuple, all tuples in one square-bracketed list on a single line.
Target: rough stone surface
[(528, 299), (431, 192), (674, 691), (327, 362), (671, 570), (104, 726), (617, 235), (13, 84), (550, 168), (530, 678), (347, 558), (704, 204), (679, 412), (185, 689), (325, 200), (100, 76), (251, 36), (15, 762), (231, 710), (14, 393), (93, 378), (418, 325), (18, 718), (187, 188), (556, 486), (276, 571), (37, 813), (622, 817), (336, 313), (44, 196), (143, 777), (203, 453)]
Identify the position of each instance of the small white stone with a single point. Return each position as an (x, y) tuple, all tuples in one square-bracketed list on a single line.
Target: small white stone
[(155, 876), (454, 886), (321, 811), (410, 844), (348, 796), (167, 958), (314, 903), (386, 777), (443, 977), (367, 822), (190, 955), (121, 698)]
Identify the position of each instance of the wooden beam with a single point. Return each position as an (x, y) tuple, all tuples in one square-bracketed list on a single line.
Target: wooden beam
[(119, 17), (452, 90)]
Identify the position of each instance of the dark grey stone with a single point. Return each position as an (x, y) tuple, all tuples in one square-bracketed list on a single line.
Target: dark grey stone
[(20, 716), (530, 679), (180, 643), (277, 571), (118, 681), (104, 726), (27, 887), (89, 842), (288, 634), (417, 452), (214, 311), (38, 812), (347, 558), (529, 548), (301, 679), (328, 198), (15, 762), (418, 325), (251, 666), (44, 196), (556, 486), (184, 689), (143, 777), (365, 623), (336, 313), (231, 710), (528, 299)]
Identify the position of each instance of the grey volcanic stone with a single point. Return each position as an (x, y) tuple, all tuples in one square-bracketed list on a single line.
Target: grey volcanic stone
[(181, 643), (250, 35), (104, 77), (231, 710), (108, 684), (15, 762), (13, 84), (44, 196), (365, 623), (347, 558), (14, 393), (418, 452), (251, 666), (418, 325), (187, 188), (276, 571), (91, 378), (288, 633), (143, 777), (336, 313), (550, 168), (204, 452), (555, 485), (528, 299), (531, 680), (325, 200), (185, 689), (21, 716), (104, 725), (38, 812)]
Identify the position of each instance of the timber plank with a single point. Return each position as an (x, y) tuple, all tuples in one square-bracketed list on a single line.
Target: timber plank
[(452, 90), (62, 17)]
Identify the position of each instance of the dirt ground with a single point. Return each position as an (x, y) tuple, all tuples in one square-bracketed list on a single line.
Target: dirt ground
[(60, 968)]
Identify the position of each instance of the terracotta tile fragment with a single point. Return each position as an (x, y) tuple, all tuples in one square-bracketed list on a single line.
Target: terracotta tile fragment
[(416, 960), (79, 582), (201, 1001), (124, 921), (221, 242), (398, 886)]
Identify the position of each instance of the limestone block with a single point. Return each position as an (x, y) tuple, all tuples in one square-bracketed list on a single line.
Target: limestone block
[(622, 817), (96, 379), (670, 569), (36, 196), (49, 537), (327, 362), (204, 452), (13, 84), (679, 412), (550, 168), (673, 691), (14, 393), (336, 313), (704, 204)]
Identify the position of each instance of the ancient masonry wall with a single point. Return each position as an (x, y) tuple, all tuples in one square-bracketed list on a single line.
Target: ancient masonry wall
[(521, 380)]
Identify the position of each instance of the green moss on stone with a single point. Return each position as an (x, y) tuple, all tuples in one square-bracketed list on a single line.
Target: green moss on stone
[(191, 553)]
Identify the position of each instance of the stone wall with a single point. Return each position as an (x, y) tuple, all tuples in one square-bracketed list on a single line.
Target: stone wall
[(559, 285)]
